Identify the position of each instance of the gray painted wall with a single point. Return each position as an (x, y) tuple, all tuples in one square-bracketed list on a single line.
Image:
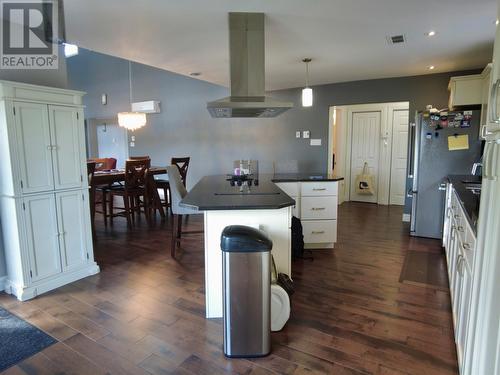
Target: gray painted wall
[(49, 77), (185, 128)]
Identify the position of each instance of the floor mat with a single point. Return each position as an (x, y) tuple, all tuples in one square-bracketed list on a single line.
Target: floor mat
[(425, 269), (19, 339)]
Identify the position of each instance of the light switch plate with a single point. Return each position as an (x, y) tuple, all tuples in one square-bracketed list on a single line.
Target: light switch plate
[(132, 144), (315, 142), (297, 134), (132, 138), (306, 134)]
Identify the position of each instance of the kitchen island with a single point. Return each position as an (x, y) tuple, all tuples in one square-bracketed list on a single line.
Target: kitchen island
[(261, 204)]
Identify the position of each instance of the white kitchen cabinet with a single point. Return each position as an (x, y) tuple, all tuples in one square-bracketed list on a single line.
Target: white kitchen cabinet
[(465, 90), (40, 222), (68, 150), (493, 106), (316, 204), (460, 254), (44, 205), (34, 150), (485, 97)]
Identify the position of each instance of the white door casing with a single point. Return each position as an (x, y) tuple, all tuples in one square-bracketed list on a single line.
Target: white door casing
[(399, 157), (34, 147), (365, 148)]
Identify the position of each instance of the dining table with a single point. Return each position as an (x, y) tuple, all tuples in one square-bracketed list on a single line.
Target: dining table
[(108, 177), (118, 175)]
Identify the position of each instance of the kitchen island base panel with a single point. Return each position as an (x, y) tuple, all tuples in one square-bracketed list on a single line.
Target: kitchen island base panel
[(275, 222)]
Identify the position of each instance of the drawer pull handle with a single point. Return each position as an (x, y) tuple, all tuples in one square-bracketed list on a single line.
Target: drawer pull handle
[(319, 189), (318, 208), (460, 228), (466, 246), (317, 232), (456, 216)]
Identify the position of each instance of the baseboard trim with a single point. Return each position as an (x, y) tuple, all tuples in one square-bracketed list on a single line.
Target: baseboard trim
[(406, 218), (3, 280), (24, 293)]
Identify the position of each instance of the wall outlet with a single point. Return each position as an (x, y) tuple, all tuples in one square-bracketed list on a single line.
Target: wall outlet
[(132, 138), (306, 134), (104, 99), (297, 134), (132, 144)]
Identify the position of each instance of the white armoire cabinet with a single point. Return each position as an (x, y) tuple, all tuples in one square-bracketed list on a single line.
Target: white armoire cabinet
[(44, 200)]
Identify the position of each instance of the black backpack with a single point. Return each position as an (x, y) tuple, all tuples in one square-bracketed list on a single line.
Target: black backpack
[(297, 239)]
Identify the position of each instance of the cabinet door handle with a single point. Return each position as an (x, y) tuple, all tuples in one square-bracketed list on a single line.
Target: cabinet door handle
[(317, 232), (493, 101), (466, 246), (456, 216), (460, 228), (319, 189), (318, 208)]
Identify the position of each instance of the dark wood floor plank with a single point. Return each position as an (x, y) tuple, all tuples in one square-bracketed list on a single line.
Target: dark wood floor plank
[(144, 313)]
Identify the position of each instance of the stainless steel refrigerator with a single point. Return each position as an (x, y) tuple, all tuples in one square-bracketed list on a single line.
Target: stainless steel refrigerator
[(434, 153)]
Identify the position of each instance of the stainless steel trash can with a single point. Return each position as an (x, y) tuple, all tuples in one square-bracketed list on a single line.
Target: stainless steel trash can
[(246, 268)]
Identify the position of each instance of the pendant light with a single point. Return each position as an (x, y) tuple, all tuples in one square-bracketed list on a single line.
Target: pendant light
[(307, 92), (131, 120)]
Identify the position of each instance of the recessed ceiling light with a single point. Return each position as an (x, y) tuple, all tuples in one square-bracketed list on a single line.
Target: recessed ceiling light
[(431, 33), (195, 74), (496, 22), (431, 67)]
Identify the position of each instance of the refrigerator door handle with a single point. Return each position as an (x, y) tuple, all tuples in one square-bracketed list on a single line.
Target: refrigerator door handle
[(413, 128)]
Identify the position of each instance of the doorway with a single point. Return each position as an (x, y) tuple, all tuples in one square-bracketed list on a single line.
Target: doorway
[(106, 139), (375, 135), (365, 153)]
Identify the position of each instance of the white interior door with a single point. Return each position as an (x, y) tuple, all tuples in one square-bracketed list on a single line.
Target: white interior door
[(399, 156), (365, 148), (34, 147), (112, 143)]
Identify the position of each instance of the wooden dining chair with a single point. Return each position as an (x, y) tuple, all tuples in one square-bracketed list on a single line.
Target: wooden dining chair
[(139, 158), (178, 191), (136, 173), (182, 165), (104, 164)]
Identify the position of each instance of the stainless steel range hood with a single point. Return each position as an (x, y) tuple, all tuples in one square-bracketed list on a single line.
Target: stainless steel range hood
[(246, 58)]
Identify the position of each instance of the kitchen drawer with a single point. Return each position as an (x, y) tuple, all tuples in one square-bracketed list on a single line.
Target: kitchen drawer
[(319, 208), (312, 189), (319, 231), (290, 188)]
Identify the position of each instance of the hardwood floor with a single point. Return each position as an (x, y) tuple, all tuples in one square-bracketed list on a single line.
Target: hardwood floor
[(144, 313)]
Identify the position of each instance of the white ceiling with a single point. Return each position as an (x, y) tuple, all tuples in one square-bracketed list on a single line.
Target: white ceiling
[(345, 38)]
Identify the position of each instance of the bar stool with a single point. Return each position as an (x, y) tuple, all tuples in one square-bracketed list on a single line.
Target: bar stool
[(182, 165), (178, 191)]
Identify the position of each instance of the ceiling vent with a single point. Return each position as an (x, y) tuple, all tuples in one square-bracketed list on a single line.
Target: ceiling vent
[(396, 39)]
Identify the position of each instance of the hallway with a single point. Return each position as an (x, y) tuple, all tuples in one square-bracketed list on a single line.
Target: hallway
[(144, 313)]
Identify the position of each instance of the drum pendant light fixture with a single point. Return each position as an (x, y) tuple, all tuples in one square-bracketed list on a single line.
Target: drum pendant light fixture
[(307, 92), (131, 120)]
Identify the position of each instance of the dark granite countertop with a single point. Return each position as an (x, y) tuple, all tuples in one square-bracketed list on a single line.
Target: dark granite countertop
[(469, 200), (216, 193), (304, 177)]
